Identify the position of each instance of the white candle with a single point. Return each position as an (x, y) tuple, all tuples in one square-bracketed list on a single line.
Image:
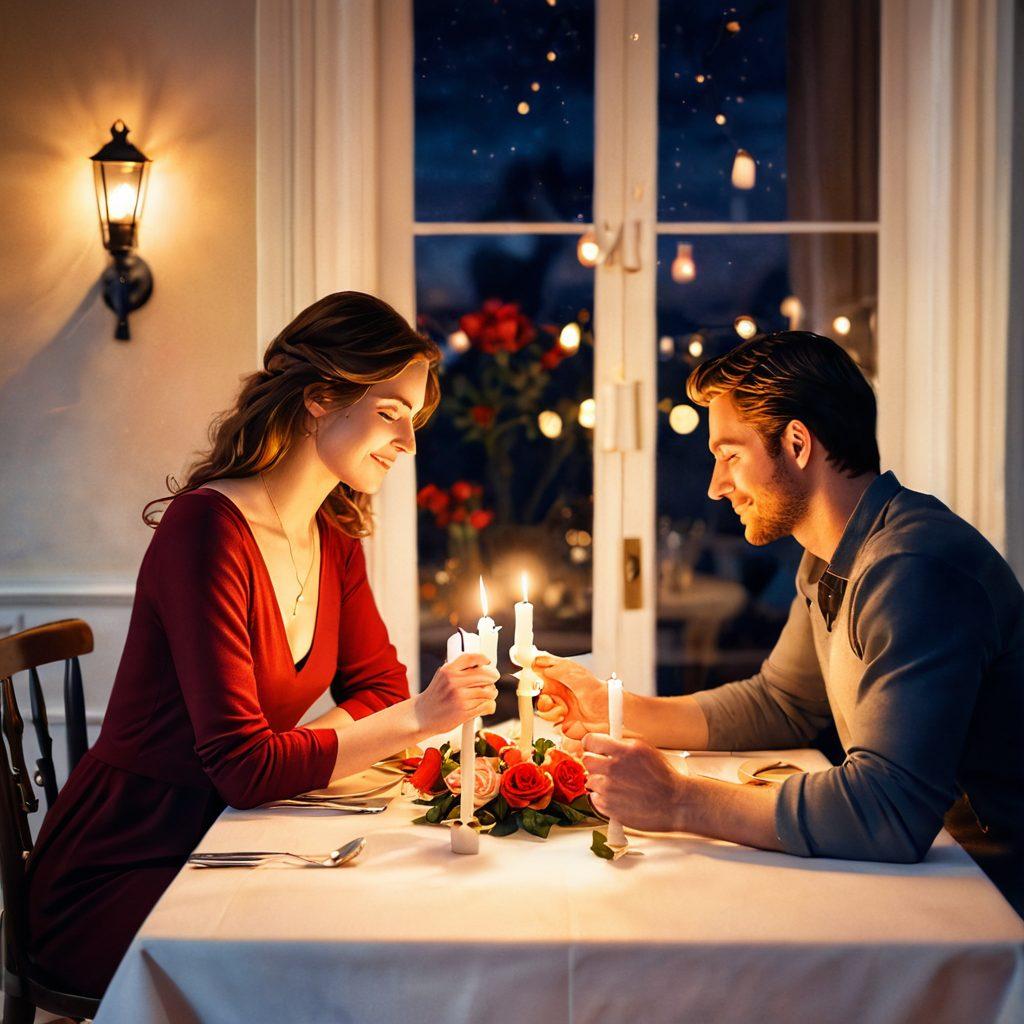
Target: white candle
[(523, 642), (466, 643), (525, 692), (616, 835), (486, 630)]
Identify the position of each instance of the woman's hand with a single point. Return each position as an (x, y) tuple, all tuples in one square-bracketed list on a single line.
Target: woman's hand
[(572, 697), (460, 690)]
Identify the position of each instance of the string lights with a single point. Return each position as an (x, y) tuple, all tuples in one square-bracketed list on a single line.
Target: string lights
[(684, 269)]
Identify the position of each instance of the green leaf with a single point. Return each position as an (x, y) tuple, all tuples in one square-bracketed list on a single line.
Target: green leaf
[(585, 807), (480, 746), (499, 807), (449, 764), (540, 748), (439, 811), (422, 820), (537, 823), (506, 826), (444, 749), (599, 846), (570, 814)]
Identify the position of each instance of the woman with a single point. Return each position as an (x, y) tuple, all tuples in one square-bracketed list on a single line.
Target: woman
[(252, 599)]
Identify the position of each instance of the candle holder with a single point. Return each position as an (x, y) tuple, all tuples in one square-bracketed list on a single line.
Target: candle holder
[(466, 836)]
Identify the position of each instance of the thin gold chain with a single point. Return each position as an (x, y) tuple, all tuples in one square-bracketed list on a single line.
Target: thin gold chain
[(312, 557)]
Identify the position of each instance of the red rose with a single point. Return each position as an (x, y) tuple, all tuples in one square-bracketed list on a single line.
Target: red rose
[(551, 359), (459, 515), (426, 495), (427, 777), (569, 778), (525, 785), (461, 490), (494, 741), (511, 755), (483, 415), (481, 518), (498, 326)]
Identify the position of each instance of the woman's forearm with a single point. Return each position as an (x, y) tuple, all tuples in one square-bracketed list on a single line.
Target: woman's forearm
[(337, 718), (674, 722), (364, 742)]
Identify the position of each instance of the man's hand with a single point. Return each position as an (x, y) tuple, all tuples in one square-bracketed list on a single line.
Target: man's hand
[(573, 698), (633, 782)]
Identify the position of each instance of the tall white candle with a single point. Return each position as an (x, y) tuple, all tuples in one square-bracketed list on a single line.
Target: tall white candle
[(523, 642), (525, 692), (616, 835), (466, 643), (487, 630)]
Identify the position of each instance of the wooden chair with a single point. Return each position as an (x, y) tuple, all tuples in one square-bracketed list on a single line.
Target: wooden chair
[(27, 651)]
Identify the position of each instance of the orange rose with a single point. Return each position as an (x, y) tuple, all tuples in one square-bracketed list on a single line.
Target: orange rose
[(494, 741), (511, 755), (525, 785)]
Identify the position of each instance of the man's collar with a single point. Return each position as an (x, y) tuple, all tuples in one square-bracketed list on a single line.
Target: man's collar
[(832, 585)]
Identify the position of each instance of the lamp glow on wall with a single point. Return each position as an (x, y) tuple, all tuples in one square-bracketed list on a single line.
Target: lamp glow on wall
[(120, 174)]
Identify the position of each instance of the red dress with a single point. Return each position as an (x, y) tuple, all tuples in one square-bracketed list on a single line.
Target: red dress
[(203, 714)]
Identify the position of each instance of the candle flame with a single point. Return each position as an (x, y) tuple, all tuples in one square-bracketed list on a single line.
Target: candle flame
[(526, 591), (483, 598)]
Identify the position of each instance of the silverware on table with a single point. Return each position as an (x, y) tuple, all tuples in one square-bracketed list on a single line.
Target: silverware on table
[(255, 858), (370, 805)]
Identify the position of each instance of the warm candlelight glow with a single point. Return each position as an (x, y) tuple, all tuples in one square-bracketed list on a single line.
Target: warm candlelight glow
[(526, 591), (550, 424), (588, 252), (744, 170), (793, 309), (841, 325), (683, 419), (121, 203), (684, 269), (570, 336), (745, 327), (483, 598), (459, 341), (588, 413), (696, 346)]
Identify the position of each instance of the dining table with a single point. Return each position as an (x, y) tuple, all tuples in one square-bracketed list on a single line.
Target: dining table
[(681, 928)]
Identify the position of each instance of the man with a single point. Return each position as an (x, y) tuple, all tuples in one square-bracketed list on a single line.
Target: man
[(907, 632)]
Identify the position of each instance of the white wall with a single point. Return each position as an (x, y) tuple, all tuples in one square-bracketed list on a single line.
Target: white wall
[(91, 426)]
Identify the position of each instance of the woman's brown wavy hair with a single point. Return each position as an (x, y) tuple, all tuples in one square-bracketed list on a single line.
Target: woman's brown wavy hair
[(337, 349)]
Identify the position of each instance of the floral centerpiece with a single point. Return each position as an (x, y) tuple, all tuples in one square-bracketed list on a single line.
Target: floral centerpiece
[(510, 791)]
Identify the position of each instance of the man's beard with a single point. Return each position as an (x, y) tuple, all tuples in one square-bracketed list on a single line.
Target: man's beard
[(778, 508)]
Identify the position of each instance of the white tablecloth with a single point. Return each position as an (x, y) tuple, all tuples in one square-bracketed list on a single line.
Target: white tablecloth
[(544, 932)]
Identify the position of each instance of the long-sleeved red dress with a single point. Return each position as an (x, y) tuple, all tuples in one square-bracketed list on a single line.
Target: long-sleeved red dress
[(203, 714)]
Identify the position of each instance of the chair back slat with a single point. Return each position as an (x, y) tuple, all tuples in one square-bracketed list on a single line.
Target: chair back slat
[(46, 776), (74, 712), (13, 854), (13, 729)]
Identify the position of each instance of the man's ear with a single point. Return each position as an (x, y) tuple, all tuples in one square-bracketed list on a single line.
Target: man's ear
[(799, 441)]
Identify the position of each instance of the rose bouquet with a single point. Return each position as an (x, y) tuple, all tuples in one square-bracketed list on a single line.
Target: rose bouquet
[(510, 792)]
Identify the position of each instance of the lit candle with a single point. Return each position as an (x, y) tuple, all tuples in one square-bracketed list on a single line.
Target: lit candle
[(523, 642), (486, 629), (616, 835), (466, 643)]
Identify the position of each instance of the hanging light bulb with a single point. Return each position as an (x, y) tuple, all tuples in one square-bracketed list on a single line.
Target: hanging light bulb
[(588, 252), (459, 341), (550, 423), (684, 269), (732, 27), (524, 107), (793, 309), (569, 339), (683, 419), (667, 345), (588, 413), (745, 326), (744, 170), (719, 119), (696, 346), (841, 325)]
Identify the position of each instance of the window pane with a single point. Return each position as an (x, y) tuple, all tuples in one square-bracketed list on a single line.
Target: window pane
[(505, 468), (722, 601), (792, 83), (504, 102)]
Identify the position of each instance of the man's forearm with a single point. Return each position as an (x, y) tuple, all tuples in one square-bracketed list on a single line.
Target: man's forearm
[(722, 810), (674, 722)]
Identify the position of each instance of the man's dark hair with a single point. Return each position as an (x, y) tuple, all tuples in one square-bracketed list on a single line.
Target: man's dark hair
[(795, 375)]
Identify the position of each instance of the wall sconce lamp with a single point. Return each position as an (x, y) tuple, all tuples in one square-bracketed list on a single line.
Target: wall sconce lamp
[(120, 174)]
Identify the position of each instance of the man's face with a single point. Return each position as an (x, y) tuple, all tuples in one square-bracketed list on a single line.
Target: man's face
[(767, 494)]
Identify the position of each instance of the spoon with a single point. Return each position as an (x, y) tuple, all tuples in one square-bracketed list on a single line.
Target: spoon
[(254, 858)]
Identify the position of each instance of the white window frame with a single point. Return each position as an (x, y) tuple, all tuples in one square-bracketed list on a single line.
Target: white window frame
[(335, 79)]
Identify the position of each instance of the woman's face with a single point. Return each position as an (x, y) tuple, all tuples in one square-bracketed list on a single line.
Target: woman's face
[(360, 443)]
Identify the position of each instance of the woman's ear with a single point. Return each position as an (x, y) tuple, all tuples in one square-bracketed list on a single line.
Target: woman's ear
[(315, 404)]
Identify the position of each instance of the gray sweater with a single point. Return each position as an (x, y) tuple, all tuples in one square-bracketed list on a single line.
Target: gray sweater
[(912, 641)]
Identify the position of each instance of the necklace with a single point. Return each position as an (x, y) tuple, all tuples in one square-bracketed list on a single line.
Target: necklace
[(301, 582)]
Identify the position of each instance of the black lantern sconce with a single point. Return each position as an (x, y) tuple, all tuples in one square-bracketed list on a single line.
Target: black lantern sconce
[(120, 173)]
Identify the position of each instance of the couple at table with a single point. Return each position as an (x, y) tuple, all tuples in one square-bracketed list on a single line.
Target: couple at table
[(252, 599)]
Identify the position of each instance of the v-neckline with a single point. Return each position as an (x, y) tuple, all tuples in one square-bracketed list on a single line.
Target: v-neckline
[(306, 658)]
